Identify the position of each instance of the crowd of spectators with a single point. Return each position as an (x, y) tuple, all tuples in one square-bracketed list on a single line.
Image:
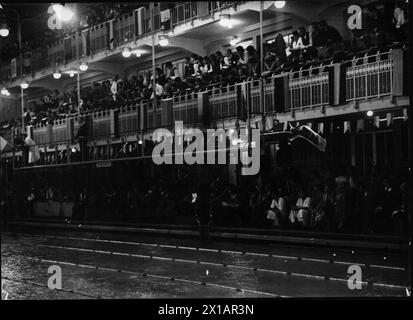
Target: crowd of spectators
[(321, 43), (292, 199)]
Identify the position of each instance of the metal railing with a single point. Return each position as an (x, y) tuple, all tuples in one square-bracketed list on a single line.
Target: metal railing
[(369, 76), (129, 119), (123, 27), (223, 102), (98, 38), (309, 88), (185, 107), (101, 124), (184, 12)]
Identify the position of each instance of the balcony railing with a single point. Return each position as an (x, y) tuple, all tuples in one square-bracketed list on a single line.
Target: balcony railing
[(309, 88), (223, 102), (185, 107), (185, 12), (369, 76)]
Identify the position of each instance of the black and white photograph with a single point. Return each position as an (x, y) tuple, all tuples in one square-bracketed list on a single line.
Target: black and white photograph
[(255, 151)]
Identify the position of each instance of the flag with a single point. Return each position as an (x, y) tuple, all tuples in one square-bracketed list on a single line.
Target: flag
[(34, 154), (347, 126), (405, 115), (308, 134), (4, 145), (389, 117), (376, 122), (360, 125)]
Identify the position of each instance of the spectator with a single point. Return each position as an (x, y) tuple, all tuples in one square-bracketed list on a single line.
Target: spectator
[(114, 87), (279, 47), (170, 71)]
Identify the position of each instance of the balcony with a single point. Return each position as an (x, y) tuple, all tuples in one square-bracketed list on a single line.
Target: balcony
[(331, 87)]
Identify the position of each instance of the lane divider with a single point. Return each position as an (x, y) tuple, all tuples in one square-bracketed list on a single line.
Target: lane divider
[(218, 251), (296, 274), (210, 284)]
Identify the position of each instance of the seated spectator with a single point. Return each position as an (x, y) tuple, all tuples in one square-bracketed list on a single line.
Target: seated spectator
[(206, 69), (159, 91), (300, 213), (277, 211), (270, 65), (170, 71), (188, 68), (279, 47), (196, 64), (226, 61), (253, 60)]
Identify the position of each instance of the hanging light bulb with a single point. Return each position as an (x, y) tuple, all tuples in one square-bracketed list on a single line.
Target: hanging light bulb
[(24, 85), (83, 66), (163, 40), (369, 113), (4, 30), (4, 91), (126, 52), (71, 73), (57, 75)]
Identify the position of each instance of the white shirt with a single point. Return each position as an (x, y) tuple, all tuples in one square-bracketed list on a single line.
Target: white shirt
[(303, 203), (280, 204), (114, 88)]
